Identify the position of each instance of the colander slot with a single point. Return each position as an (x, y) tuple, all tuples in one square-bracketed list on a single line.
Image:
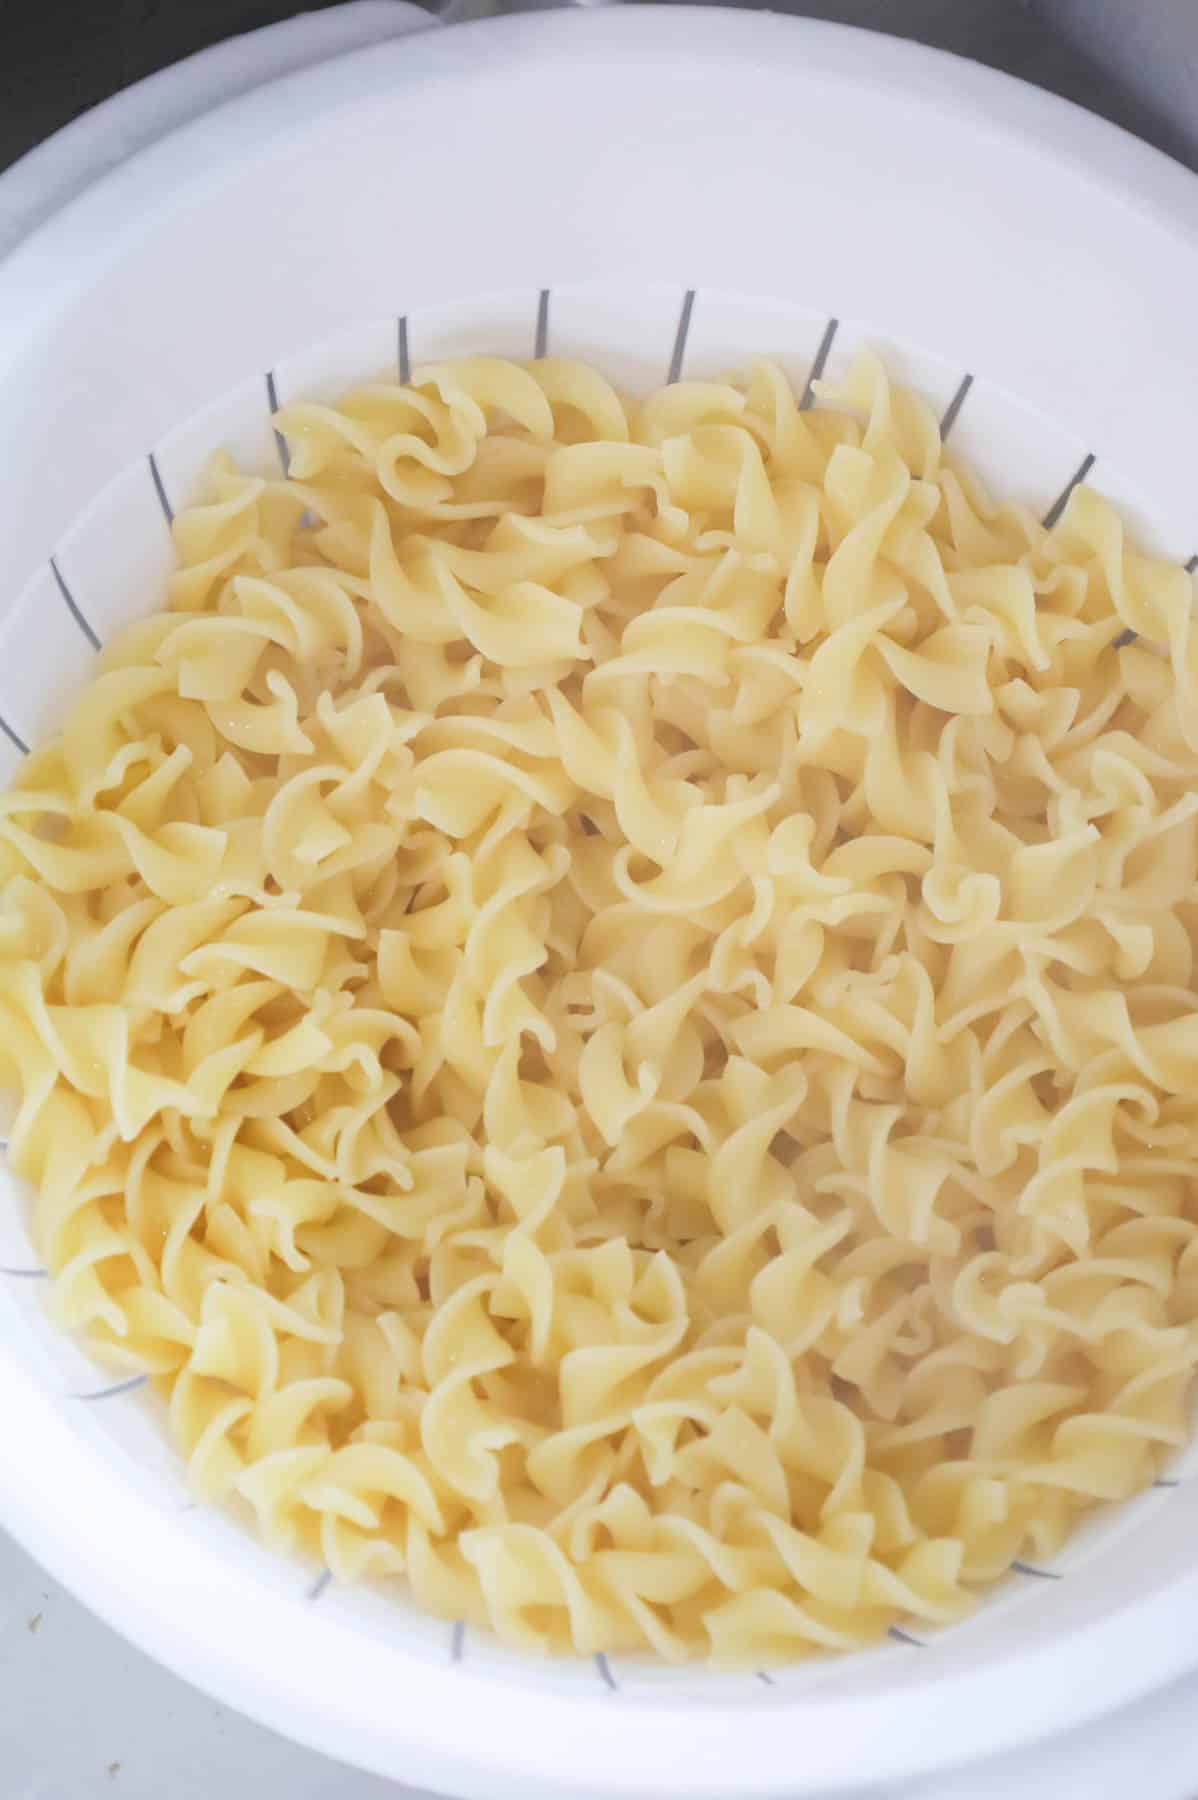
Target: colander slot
[(272, 400), (604, 1667), (13, 737), (168, 511), (954, 407), (818, 366), (1062, 500), (678, 354), (73, 607), (111, 1392)]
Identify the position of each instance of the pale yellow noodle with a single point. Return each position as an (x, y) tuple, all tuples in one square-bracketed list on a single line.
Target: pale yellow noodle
[(606, 1002)]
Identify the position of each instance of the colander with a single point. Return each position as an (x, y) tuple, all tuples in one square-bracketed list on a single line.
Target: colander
[(666, 192)]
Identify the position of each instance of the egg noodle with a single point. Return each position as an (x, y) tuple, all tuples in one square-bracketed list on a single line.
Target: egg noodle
[(606, 1003)]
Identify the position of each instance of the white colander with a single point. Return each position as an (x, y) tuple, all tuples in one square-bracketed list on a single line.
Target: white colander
[(664, 192)]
